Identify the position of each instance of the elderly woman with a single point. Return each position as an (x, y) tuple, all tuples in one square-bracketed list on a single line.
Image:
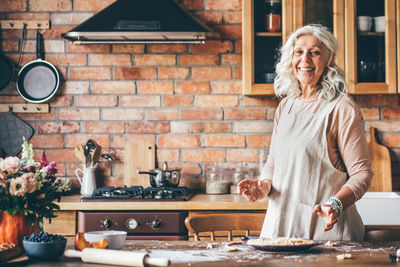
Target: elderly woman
[(318, 164)]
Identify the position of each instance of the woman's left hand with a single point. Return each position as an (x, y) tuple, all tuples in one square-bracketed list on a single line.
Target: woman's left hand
[(326, 212)]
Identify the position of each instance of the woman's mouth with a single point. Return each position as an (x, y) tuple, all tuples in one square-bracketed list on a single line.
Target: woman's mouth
[(305, 69)]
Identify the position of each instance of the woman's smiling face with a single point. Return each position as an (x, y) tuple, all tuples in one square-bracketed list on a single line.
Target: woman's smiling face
[(309, 59)]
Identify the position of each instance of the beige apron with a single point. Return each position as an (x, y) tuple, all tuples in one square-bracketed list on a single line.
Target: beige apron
[(303, 177)]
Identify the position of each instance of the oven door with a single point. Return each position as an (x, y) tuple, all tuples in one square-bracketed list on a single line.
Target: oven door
[(169, 225)]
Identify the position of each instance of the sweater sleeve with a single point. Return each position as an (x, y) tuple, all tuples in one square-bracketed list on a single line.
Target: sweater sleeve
[(353, 147)]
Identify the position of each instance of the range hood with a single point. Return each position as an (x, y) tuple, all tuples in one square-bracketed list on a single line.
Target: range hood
[(141, 21)]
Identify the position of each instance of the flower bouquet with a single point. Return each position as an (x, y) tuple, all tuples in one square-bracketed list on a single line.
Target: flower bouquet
[(28, 189)]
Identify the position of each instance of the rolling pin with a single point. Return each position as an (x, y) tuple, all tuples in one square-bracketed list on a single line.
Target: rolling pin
[(116, 257)]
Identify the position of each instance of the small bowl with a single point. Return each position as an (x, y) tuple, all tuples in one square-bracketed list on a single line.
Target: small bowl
[(115, 239), (45, 250)]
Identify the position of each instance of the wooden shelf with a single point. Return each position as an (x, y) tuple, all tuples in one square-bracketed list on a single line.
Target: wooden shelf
[(274, 34), (371, 33), (30, 24), (25, 108)]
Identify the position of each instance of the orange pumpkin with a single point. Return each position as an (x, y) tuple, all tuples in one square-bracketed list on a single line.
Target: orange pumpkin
[(14, 228)]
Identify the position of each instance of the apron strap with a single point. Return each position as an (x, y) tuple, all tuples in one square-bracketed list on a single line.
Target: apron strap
[(288, 106), (327, 107)]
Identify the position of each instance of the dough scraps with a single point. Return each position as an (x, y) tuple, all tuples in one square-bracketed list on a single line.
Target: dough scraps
[(280, 241)]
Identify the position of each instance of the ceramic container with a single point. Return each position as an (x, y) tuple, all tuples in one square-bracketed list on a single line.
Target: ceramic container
[(364, 23), (115, 239)]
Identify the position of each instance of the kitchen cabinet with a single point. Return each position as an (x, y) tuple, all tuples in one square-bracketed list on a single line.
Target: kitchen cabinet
[(369, 58)]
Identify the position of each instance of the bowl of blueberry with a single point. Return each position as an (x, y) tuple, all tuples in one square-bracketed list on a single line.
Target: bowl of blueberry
[(44, 246)]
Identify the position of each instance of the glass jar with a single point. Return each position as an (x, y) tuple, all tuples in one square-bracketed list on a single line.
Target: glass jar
[(238, 175), (273, 16), (218, 180)]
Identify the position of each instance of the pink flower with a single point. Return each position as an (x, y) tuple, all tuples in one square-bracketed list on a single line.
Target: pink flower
[(3, 181), (43, 161), (23, 184), (10, 164)]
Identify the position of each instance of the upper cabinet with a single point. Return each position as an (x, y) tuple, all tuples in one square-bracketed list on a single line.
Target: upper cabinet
[(365, 30)]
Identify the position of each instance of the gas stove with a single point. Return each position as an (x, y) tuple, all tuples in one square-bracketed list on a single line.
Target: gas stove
[(139, 193)]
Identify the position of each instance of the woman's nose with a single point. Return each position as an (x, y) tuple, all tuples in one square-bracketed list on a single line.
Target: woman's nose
[(305, 57)]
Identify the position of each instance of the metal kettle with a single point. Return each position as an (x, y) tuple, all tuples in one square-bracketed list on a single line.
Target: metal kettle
[(163, 177)]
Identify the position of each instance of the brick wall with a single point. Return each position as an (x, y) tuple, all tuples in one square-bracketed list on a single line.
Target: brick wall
[(185, 98)]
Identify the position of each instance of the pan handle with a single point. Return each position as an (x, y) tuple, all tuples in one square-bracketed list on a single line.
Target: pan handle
[(39, 46)]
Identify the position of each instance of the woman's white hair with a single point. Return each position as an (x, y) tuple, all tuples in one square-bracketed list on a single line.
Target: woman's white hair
[(332, 81)]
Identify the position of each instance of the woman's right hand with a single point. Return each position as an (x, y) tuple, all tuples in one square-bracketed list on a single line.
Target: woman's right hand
[(254, 189)]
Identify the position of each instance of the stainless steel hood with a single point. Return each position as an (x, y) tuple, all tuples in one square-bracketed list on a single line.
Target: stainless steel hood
[(141, 21)]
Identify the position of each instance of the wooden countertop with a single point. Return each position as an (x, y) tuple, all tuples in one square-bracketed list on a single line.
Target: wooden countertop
[(188, 253), (197, 202)]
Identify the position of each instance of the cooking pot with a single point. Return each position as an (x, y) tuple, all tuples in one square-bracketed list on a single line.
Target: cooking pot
[(163, 177)]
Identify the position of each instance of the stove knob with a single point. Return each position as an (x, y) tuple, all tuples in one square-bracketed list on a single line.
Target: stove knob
[(155, 224), (107, 223), (131, 224)]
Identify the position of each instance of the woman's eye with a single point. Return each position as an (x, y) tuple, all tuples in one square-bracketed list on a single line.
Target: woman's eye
[(315, 52), (298, 52)]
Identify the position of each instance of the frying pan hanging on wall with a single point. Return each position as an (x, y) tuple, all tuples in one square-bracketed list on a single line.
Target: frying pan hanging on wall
[(38, 80)]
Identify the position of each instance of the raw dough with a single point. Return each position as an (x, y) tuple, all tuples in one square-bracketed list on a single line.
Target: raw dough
[(344, 256), (280, 241), (234, 243)]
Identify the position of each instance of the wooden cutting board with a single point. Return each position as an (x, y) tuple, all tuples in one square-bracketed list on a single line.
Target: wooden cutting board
[(381, 165), (138, 156)]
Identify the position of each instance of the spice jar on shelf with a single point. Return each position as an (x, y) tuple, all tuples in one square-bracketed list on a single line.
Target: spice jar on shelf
[(218, 180), (239, 174), (273, 15)]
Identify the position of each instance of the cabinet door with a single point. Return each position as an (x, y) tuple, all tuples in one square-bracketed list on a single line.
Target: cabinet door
[(371, 51), (260, 48), (329, 13)]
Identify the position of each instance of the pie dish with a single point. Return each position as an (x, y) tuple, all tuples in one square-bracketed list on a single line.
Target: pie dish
[(282, 244)]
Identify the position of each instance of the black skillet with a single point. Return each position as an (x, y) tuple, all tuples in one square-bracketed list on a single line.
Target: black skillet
[(38, 80), (6, 70)]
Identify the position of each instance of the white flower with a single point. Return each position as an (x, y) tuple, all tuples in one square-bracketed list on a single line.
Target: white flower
[(23, 184), (10, 164)]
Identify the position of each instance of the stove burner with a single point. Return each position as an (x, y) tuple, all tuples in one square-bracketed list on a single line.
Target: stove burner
[(139, 193)]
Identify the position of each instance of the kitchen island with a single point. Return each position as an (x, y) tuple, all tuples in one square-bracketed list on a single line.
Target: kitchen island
[(189, 253)]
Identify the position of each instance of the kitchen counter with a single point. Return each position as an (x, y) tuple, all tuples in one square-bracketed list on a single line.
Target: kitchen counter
[(188, 253), (197, 202)]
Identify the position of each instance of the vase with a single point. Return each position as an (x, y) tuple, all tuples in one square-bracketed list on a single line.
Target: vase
[(14, 228)]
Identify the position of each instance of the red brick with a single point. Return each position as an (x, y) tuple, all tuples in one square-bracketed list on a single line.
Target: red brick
[(173, 73), (10, 46), (135, 73), (259, 140), (203, 155), (162, 115), (377, 100), (77, 114), (123, 114), (110, 60), (61, 155), (259, 101), (61, 101), (223, 141), (190, 169), (391, 113), (392, 140), (211, 73), (139, 101), (223, 5), (91, 5), (13, 5), (245, 114), (213, 47), (42, 141), (11, 99), (233, 17), (69, 18), (216, 101), (114, 87), (167, 155), (38, 116), (192, 87), (169, 48), (271, 113), (76, 87), (121, 140), (198, 60), (147, 127), (180, 127), (177, 101), (231, 59), (238, 46), (96, 101), (201, 114), (54, 5), (130, 48), (91, 73), (226, 87), (253, 126), (178, 141), (211, 127), (191, 4), (156, 87), (154, 60), (67, 59), (59, 127), (242, 155), (80, 139), (210, 17), (55, 32), (25, 15), (384, 126), (103, 127), (92, 49), (229, 31), (370, 113)]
